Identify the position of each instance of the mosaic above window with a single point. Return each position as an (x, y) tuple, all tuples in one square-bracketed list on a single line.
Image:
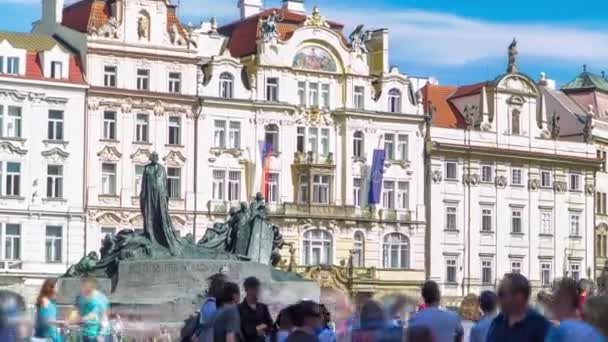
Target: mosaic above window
[(314, 58)]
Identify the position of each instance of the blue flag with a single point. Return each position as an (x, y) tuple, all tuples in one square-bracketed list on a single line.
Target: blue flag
[(375, 179)]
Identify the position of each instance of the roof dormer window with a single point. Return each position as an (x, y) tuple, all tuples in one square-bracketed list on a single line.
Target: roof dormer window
[(56, 70), (12, 65)]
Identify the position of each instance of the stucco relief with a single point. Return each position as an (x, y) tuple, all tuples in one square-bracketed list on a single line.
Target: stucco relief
[(313, 117), (533, 184), (109, 154), (174, 158), (141, 156), (560, 186), (108, 218), (501, 181), (109, 30), (437, 176), (590, 189), (55, 155), (470, 179)]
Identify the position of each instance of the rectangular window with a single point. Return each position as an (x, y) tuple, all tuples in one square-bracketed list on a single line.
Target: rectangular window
[(575, 271), (55, 125), (389, 146), (234, 186), (139, 172), (1, 64), (272, 89), (600, 203), (487, 173), (56, 70), (219, 134), (451, 171), (10, 126), (546, 222), (12, 242), (515, 122), (300, 139), (108, 179), (325, 96), (109, 125), (516, 221), (450, 218), (450, 270), (53, 246), (272, 188), (218, 185), (402, 147), (234, 135), (313, 94), (175, 82), (109, 76), (575, 225), (575, 182), (303, 189), (320, 189), (302, 93), (324, 141), (545, 178), (486, 219), (388, 195), (13, 179), (545, 274), (54, 181), (12, 65), (357, 192), (175, 127), (602, 156), (141, 128), (515, 266), (517, 176), (313, 139), (358, 96), (403, 197), (174, 182), (143, 79), (486, 272)]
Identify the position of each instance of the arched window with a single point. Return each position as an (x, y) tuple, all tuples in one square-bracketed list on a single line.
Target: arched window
[(226, 85), (317, 247), (515, 122), (358, 144), (271, 137), (396, 251), (358, 250), (394, 101)]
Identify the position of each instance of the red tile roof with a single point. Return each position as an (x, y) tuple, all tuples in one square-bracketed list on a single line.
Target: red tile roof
[(244, 33), (470, 89), (86, 14), (446, 114)]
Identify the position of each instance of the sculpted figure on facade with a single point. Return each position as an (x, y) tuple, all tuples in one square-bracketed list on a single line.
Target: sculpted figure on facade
[(269, 27), (143, 26), (358, 38), (555, 126), (108, 30), (501, 181), (316, 19), (533, 184), (512, 67)]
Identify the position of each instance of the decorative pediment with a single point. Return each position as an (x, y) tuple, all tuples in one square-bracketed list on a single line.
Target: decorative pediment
[(109, 219), (13, 95), (110, 154), (9, 148), (55, 155), (314, 117), (174, 158), (516, 100), (141, 156)]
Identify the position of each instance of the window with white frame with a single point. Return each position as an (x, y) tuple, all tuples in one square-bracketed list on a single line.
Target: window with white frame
[(396, 251), (602, 155), (272, 89), (515, 122), (12, 242), (10, 122), (143, 79), (487, 173), (317, 247), (394, 101), (174, 182), (325, 95), (358, 249), (142, 128), (487, 219), (450, 217), (403, 147), (317, 141), (516, 221), (54, 244), (486, 271), (12, 65), (175, 82), (545, 273), (271, 192), (545, 178), (575, 182), (357, 192), (234, 135), (313, 94), (575, 271), (546, 222), (451, 170), (226, 188), (324, 148), (219, 134), (517, 176), (575, 224), (321, 189), (54, 181), (218, 185), (450, 270), (12, 179), (56, 70), (389, 146), (109, 125), (516, 266), (109, 76), (139, 173), (175, 128), (403, 195), (388, 195), (302, 93), (271, 136), (226, 85), (55, 125), (601, 200), (108, 179), (301, 139), (234, 186), (303, 189), (358, 97), (358, 147)]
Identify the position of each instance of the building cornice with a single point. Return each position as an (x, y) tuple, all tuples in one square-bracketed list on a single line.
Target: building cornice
[(36, 83), (129, 53), (148, 95)]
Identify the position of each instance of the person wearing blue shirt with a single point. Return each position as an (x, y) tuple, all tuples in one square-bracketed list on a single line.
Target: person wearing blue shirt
[(487, 303), (208, 310), (326, 333), (517, 322), (565, 305), (93, 311)]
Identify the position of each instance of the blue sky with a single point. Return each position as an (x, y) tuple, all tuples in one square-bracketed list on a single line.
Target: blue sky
[(458, 42)]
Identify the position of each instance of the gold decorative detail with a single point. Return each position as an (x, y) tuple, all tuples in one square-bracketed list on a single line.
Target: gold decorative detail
[(316, 19)]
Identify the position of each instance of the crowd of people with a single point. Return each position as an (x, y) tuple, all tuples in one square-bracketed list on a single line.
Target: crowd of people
[(569, 313)]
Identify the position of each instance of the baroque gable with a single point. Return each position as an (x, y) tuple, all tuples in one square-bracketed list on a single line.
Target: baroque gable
[(109, 154), (141, 156), (174, 158), (8, 147), (55, 155)]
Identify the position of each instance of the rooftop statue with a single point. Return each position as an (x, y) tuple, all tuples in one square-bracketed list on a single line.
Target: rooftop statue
[(512, 67)]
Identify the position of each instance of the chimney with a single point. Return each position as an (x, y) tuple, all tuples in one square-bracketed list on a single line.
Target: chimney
[(294, 5), (52, 11), (249, 7)]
